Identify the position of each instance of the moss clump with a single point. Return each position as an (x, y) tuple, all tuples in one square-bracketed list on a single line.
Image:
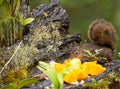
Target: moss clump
[(14, 76), (114, 79), (101, 84), (109, 81)]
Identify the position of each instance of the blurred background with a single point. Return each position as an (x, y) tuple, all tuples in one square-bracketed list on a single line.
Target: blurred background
[(83, 12)]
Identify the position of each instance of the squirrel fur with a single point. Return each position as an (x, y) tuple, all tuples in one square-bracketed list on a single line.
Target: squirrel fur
[(102, 35)]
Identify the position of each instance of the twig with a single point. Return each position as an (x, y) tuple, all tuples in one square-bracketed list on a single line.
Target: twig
[(11, 57)]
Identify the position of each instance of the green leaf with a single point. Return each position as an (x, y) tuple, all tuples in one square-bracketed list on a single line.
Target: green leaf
[(87, 52), (68, 69), (27, 21), (1, 1), (56, 78), (20, 16), (97, 51), (9, 87), (13, 84), (118, 54), (94, 81), (50, 72), (16, 6), (27, 82), (60, 79)]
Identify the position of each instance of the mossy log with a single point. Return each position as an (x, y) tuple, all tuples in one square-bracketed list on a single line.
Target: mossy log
[(48, 39), (43, 44)]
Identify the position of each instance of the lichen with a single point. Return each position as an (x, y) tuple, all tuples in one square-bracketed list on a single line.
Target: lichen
[(49, 34), (25, 56)]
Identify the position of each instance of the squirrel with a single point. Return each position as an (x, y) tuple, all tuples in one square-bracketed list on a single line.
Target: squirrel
[(102, 35)]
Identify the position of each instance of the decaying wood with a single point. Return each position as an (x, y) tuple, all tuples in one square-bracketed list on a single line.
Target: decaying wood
[(46, 13)]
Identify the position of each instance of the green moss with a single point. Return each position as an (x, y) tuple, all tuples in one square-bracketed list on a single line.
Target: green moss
[(14, 76), (109, 81), (101, 84), (114, 78)]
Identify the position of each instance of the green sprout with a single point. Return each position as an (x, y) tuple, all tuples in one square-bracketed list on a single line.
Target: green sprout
[(87, 52), (12, 22), (24, 21), (21, 84), (97, 51), (57, 79)]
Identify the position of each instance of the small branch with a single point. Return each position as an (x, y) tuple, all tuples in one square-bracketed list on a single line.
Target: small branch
[(11, 58)]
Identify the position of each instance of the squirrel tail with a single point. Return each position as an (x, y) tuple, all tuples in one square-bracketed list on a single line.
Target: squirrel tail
[(102, 33)]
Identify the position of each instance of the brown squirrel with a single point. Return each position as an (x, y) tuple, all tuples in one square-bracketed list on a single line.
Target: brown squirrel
[(102, 35)]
